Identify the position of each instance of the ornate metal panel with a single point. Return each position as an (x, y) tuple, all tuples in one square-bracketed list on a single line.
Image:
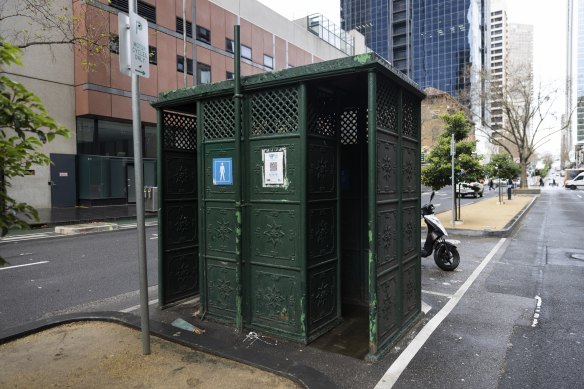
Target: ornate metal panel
[(274, 233), (323, 296), (411, 117), (389, 305), (411, 290), (274, 112), (387, 105), (179, 244), (221, 289), (388, 235), (388, 166)]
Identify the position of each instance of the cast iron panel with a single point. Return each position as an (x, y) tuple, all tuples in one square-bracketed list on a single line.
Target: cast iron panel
[(322, 292), (323, 115), (388, 236), (220, 229), (388, 297), (178, 253), (411, 289), (222, 289), (274, 234), (219, 118), (276, 300), (274, 111), (410, 228), (322, 164), (387, 166), (180, 224), (411, 116), (322, 231), (387, 105), (181, 273), (410, 172)]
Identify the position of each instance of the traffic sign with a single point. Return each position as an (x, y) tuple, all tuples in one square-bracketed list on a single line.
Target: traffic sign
[(133, 41)]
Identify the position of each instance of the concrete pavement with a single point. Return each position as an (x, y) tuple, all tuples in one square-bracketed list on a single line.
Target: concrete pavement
[(76, 348)]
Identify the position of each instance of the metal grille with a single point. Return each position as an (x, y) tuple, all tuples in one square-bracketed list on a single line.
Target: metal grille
[(387, 101), (274, 112), (350, 126), (219, 119), (322, 115), (179, 131), (410, 116)]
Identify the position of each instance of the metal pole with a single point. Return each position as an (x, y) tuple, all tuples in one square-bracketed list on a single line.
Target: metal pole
[(238, 180), (184, 16), (138, 179)]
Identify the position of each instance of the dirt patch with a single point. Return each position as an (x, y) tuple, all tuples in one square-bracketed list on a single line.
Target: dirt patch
[(98, 354)]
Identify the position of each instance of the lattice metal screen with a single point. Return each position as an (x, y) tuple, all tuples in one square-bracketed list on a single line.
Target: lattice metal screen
[(274, 112), (219, 119), (387, 105), (179, 131), (322, 114), (350, 126), (411, 113)]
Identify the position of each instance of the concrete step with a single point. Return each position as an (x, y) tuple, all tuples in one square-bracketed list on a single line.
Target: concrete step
[(85, 228)]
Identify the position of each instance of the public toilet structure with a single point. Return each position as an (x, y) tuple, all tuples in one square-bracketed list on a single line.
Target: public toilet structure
[(301, 208)]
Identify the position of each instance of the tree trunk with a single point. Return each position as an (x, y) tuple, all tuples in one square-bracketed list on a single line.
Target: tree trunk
[(524, 183)]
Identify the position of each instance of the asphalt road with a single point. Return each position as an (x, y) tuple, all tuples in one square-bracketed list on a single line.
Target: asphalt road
[(73, 273)]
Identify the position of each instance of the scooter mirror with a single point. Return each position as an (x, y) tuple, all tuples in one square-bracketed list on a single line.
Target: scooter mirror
[(432, 196)]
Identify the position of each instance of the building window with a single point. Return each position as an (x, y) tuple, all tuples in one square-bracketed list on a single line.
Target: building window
[(114, 44), (268, 61), (180, 65), (229, 75), (203, 73), (203, 35), (229, 45), (179, 27), (152, 55), (245, 52), (145, 10)]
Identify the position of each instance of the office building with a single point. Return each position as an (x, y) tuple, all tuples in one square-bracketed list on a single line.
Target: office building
[(95, 166)]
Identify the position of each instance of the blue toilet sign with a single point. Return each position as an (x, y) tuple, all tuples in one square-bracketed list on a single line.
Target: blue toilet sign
[(222, 171)]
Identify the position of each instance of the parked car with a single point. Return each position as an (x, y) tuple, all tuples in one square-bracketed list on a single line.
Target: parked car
[(576, 183), (475, 189)]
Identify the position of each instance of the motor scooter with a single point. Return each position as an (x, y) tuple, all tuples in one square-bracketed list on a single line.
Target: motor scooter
[(445, 253)]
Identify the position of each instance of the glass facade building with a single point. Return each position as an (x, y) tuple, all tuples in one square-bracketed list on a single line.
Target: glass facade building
[(579, 135)]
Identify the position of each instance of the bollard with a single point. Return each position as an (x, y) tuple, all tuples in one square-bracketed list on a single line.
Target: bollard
[(509, 193)]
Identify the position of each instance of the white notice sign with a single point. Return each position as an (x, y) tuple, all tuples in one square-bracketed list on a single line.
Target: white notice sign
[(133, 45), (274, 167)]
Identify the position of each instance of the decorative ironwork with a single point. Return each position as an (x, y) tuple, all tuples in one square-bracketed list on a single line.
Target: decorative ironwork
[(223, 290), (387, 106), (274, 112), (322, 114), (179, 131), (350, 126), (411, 113), (219, 119), (274, 233), (222, 230)]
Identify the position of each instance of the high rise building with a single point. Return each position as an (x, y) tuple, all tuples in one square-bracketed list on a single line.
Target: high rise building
[(386, 25), (577, 152)]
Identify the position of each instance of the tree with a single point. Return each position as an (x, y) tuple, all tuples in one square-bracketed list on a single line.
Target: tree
[(502, 166), (25, 127), (28, 23), (514, 117), (437, 173)]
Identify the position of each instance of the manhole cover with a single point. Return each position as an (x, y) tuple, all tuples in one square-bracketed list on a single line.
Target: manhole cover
[(578, 256)]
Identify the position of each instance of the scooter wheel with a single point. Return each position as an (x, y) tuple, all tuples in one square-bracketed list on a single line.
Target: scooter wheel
[(447, 258)]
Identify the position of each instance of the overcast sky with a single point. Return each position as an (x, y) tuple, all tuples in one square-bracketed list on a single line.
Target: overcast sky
[(548, 18)]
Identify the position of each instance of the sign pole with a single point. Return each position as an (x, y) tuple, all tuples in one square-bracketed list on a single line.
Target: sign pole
[(139, 25), (452, 153)]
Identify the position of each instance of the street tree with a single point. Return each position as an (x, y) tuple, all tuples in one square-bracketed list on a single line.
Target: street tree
[(85, 28), (502, 166), (25, 126), (515, 117), (438, 172)]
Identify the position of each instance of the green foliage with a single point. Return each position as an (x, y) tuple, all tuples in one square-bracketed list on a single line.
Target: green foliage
[(503, 166), (437, 173), (25, 127)]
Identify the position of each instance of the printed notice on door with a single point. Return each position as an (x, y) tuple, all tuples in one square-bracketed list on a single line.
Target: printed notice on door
[(274, 172)]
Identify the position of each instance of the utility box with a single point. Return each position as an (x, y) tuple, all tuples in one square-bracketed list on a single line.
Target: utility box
[(150, 198), (312, 212)]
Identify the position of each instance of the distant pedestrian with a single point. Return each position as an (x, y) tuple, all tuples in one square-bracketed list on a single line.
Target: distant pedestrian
[(554, 182), (541, 183), (491, 185)]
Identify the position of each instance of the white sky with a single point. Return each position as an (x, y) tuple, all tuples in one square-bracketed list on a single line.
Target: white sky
[(548, 18)]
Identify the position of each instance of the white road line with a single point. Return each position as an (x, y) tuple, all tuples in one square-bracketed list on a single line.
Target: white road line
[(437, 293), (26, 264), (136, 307), (401, 363)]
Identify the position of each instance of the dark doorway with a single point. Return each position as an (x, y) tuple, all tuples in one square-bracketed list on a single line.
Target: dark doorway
[(63, 179)]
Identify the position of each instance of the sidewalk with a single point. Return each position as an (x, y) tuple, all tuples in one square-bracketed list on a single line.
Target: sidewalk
[(104, 350)]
